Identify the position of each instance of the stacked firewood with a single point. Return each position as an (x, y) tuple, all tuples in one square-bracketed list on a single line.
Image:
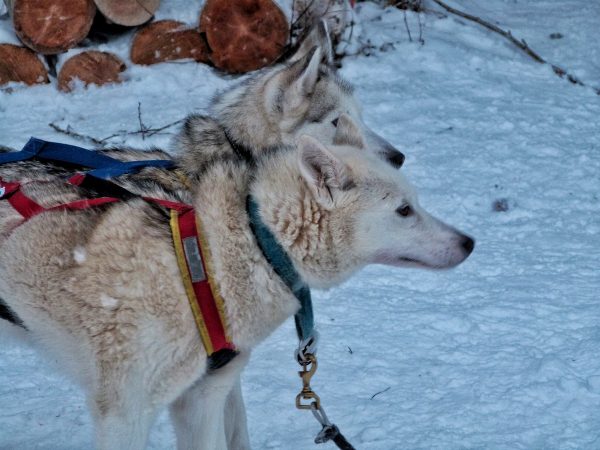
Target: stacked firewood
[(234, 36)]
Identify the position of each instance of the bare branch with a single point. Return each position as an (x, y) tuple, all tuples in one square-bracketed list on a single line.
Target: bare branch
[(421, 40), (70, 132), (143, 128), (380, 392), (144, 131), (406, 25), (519, 43), (153, 131)]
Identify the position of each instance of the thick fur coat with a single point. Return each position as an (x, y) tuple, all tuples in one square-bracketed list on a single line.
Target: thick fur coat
[(100, 290)]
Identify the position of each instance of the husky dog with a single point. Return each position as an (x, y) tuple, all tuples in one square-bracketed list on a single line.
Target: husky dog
[(305, 95), (101, 292)]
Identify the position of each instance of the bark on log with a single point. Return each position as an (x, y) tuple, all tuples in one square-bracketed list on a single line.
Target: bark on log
[(51, 26), (22, 65), (244, 35), (128, 12), (167, 40), (91, 67)]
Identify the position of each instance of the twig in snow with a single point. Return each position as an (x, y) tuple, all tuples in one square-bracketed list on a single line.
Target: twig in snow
[(70, 132), (519, 43), (421, 40), (406, 25), (144, 131), (153, 131), (143, 128), (380, 392)]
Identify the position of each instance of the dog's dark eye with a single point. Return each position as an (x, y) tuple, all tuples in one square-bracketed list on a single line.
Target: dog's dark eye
[(404, 210), (334, 122)]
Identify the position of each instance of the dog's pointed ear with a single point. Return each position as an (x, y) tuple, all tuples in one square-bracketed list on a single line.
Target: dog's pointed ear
[(317, 37), (347, 132), (323, 172), (304, 76)]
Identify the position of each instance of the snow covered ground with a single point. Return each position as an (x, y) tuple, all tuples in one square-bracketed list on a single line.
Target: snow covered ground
[(502, 352)]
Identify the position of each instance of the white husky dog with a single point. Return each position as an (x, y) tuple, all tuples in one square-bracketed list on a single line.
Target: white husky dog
[(302, 96), (100, 291)]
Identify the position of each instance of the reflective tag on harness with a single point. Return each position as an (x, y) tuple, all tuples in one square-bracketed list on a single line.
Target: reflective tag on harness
[(193, 258)]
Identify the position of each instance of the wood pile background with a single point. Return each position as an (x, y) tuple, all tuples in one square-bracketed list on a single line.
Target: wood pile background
[(235, 36)]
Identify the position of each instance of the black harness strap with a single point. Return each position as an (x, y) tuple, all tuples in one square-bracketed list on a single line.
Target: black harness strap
[(101, 186)]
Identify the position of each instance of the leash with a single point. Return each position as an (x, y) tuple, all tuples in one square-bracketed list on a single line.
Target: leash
[(305, 354)]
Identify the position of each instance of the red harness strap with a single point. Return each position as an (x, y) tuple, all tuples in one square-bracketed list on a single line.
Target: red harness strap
[(197, 274), (25, 206), (19, 201), (191, 251)]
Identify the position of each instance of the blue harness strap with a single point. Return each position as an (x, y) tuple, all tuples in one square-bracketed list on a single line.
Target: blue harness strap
[(123, 168), (103, 166)]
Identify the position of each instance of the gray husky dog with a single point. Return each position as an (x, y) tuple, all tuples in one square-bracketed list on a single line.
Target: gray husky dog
[(101, 292), (303, 96)]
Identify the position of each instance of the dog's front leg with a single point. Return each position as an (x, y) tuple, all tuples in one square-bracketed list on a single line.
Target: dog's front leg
[(122, 416), (123, 431), (236, 428), (199, 413)]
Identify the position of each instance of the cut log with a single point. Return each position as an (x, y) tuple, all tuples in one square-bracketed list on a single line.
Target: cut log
[(244, 35), (167, 40), (22, 65), (129, 13), (91, 67), (51, 26)]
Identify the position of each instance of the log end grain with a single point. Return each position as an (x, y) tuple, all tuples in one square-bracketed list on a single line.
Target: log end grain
[(52, 26), (244, 35), (21, 65), (167, 40), (91, 67)]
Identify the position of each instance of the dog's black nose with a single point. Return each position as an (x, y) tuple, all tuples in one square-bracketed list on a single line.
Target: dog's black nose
[(468, 244), (395, 158)]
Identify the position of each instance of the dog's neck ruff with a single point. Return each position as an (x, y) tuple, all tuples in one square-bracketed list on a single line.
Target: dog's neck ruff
[(191, 249), (284, 268)]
